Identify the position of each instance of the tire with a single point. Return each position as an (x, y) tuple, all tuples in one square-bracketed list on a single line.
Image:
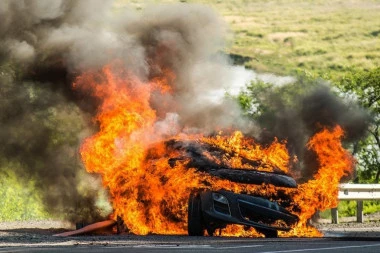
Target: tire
[(210, 231), (195, 226), (269, 233)]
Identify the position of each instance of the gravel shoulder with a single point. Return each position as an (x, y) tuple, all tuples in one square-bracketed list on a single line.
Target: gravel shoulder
[(42, 225)]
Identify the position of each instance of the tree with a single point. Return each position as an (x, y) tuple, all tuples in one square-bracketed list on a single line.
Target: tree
[(364, 87)]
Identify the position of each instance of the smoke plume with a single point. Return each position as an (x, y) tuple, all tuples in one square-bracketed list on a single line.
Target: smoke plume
[(45, 44)]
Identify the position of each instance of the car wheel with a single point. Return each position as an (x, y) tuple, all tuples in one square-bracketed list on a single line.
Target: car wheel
[(210, 231), (269, 233), (195, 226)]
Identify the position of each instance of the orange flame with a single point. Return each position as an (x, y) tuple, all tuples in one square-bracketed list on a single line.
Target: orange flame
[(322, 192), (150, 194), (274, 156)]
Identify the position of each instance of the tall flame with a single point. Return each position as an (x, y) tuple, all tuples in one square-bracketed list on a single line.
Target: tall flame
[(321, 192), (150, 193)]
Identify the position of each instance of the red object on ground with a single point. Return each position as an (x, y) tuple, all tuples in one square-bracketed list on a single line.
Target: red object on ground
[(89, 228)]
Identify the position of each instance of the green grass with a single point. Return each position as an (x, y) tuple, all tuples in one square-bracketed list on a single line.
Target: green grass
[(20, 200), (322, 37)]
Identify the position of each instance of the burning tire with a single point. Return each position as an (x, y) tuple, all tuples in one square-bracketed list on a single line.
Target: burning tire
[(195, 225), (269, 233)]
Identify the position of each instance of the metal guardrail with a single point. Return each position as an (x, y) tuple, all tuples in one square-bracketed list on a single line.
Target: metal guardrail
[(359, 193)]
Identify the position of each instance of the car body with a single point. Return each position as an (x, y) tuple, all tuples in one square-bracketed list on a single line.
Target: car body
[(211, 210)]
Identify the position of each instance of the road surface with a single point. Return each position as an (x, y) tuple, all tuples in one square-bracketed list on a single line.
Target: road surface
[(161, 244), (34, 237)]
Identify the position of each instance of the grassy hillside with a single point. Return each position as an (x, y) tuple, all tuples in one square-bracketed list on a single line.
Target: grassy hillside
[(323, 36)]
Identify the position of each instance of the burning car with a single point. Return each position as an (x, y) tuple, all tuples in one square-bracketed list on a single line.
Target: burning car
[(211, 210), (150, 176)]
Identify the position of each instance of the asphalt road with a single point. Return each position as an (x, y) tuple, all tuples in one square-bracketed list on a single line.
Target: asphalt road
[(158, 244)]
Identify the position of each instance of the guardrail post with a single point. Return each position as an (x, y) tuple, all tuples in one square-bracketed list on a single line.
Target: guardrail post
[(334, 215), (359, 211)]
